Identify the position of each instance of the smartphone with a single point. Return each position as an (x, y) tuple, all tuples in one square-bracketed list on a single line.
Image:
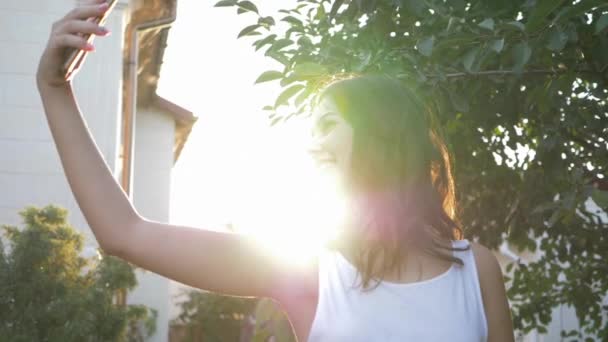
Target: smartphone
[(76, 56)]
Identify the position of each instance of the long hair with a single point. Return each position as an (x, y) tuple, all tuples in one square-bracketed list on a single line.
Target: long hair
[(400, 175)]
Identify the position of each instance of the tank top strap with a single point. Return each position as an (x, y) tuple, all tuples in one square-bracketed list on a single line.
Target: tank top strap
[(333, 271)]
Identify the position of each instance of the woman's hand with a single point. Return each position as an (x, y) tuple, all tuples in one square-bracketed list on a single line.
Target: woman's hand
[(68, 33)]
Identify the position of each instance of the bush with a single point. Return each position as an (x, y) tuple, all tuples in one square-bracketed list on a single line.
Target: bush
[(51, 293)]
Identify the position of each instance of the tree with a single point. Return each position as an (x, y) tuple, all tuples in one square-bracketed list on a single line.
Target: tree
[(271, 321), (208, 316), (51, 293), (520, 87)]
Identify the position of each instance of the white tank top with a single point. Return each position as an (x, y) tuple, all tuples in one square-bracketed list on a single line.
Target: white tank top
[(447, 307)]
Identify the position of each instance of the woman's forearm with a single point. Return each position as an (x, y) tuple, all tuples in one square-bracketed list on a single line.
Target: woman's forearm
[(102, 201)]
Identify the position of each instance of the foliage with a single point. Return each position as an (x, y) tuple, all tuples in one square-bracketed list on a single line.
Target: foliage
[(271, 321), (51, 293), (214, 317), (520, 87)]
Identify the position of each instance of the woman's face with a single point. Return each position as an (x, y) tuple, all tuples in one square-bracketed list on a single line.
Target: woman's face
[(332, 138)]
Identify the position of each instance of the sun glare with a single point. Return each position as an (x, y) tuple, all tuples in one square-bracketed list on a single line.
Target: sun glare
[(235, 169), (299, 207)]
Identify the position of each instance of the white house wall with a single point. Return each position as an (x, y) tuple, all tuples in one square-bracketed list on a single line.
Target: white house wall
[(154, 138), (30, 168)]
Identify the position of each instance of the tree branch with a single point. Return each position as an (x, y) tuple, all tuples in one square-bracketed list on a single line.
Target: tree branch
[(511, 72)]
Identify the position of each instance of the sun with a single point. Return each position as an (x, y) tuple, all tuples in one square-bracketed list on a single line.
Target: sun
[(295, 207)]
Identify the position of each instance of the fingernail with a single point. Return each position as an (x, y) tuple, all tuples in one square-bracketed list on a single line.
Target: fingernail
[(89, 47), (104, 5)]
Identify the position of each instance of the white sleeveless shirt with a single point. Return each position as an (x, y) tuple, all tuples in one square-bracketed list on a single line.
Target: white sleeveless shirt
[(447, 307)]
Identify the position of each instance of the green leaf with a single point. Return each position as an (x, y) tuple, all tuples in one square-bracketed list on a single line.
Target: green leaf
[(416, 6), (487, 24), (304, 41), (600, 198), (521, 55), (601, 23), (570, 30), (469, 59), (321, 14), (277, 56), (302, 97), (309, 69), (554, 218), (248, 30), (226, 3), (287, 94), (541, 11), (266, 21), (292, 20), (260, 43), (557, 40), (580, 8), (269, 76), (363, 60), (268, 108), (281, 43), (459, 102), (289, 80), (335, 7), (516, 24), (425, 46), (248, 6), (497, 44)]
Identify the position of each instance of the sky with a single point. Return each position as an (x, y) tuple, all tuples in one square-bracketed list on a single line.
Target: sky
[(236, 168)]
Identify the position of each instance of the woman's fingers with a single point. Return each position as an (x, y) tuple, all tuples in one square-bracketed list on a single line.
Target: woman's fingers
[(80, 26), (75, 31), (70, 40)]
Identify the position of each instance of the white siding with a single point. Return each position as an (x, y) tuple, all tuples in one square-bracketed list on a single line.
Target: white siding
[(30, 169), (29, 163), (153, 161)]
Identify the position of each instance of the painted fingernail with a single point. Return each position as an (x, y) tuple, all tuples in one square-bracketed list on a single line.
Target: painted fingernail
[(89, 47), (104, 5)]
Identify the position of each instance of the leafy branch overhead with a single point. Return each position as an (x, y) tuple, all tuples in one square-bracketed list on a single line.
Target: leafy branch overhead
[(521, 89)]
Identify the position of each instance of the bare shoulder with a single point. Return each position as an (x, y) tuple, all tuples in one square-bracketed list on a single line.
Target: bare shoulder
[(488, 269), (485, 258), (496, 305)]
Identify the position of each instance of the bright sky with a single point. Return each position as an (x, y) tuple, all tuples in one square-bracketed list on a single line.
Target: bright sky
[(235, 167)]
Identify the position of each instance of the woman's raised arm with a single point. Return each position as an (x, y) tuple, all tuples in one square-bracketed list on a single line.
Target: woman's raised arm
[(222, 262)]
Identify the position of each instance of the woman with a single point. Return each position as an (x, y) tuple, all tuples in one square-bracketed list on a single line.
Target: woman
[(418, 278)]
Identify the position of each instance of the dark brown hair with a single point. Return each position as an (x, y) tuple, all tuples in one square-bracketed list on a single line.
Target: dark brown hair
[(401, 174)]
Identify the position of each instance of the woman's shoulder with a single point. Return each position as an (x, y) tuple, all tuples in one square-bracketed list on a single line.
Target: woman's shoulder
[(488, 268), (484, 257)]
